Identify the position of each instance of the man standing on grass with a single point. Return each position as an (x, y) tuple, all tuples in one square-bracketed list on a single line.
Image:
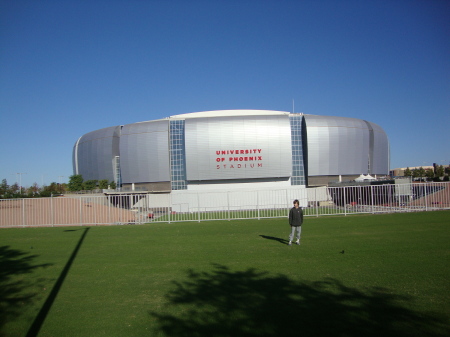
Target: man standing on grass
[(295, 221)]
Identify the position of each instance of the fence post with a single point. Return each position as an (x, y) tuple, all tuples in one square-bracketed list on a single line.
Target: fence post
[(170, 209), (81, 211), (390, 196), (109, 208), (51, 210), (228, 205), (371, 197), (287, 199), (93, 202), (23, 212), (345, 201), (316, 202), (198, 205), (410, 197), (257, 205), (130, 203), (425, 196)]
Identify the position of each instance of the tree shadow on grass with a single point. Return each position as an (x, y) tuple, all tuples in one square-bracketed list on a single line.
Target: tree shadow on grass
[(253, 303), (13, 289)]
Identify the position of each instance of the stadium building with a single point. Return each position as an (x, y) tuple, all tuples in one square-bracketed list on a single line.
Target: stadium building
[(232, 150)]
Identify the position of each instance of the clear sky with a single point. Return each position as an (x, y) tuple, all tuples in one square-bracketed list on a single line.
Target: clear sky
[(71, 67)]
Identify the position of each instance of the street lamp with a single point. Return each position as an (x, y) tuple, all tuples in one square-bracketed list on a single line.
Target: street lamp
[(20, 181)]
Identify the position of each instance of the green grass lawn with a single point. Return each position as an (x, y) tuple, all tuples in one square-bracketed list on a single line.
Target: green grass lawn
[(365, 275)]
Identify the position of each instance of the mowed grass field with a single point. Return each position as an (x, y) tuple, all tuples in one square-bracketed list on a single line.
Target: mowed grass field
[(365, 275)]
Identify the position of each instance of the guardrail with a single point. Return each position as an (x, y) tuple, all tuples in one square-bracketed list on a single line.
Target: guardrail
[(135, 208)]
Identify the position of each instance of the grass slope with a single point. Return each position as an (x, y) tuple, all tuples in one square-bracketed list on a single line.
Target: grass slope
[(351, 276)]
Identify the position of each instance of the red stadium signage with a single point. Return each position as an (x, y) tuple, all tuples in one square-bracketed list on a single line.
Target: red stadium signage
[(240, 158)]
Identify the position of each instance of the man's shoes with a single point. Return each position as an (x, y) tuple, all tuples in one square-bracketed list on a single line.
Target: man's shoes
[(297, 242), (290, 243)]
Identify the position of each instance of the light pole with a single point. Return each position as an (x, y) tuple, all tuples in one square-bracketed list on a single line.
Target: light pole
[(20, 181)]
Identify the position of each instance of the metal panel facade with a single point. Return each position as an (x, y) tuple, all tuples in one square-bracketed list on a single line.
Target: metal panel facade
[(337, 145), (94, 154), (244, 147), (144, 152), (213, 147), (380, 150)]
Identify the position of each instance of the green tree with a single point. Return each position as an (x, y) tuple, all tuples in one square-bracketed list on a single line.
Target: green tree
[(429, 173), (407, 172), (421, 172), (45, 194), (33, 190), (53, 188), (90, 185), (62, 187), (75, 182), (103, 184), (9, 192), (440, 172), (112, 184), (14, 189), (4, 187)]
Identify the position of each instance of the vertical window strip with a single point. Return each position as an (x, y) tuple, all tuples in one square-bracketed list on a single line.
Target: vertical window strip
[(298, 172), (177, 155)]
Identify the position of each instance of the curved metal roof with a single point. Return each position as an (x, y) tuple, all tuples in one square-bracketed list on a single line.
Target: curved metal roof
[(228, 113)]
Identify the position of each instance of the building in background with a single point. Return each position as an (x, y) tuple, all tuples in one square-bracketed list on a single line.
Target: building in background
[(232, 149), (400, 172)]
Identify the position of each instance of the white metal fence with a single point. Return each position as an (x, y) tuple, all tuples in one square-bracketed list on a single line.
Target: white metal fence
[(225, 205)]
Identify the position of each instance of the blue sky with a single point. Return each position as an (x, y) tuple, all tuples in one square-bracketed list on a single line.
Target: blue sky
[(71, 67)]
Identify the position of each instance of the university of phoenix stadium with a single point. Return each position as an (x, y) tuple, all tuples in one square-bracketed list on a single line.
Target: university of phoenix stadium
[(232, 150)]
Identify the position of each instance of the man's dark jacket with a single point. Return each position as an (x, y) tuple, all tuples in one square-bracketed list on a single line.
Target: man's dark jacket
[(295, 217)]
